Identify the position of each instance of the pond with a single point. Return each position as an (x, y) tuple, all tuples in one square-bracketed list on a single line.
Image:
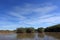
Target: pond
[(31, 36)]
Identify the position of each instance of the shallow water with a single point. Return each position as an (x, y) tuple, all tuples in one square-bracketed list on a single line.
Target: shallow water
[(31, 36)]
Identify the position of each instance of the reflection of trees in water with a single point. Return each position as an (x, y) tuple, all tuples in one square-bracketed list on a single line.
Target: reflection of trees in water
[(25, 35), (38, 36), (54, 34), (41, 35)]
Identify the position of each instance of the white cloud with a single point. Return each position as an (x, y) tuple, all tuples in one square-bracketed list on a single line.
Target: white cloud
[(52, 20), (17, 15), (45, 9), (30, 8), (42, 15)]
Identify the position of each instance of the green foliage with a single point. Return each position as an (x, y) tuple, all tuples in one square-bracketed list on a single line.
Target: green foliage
[(20, 30), (40, 30), (25, 30), (30, 30), (55, 28)]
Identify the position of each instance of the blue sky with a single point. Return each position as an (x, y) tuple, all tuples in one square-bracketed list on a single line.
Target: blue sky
[(29, 13)]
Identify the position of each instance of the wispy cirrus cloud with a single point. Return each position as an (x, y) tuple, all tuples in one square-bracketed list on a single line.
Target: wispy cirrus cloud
[(30, 10), (32, 15)]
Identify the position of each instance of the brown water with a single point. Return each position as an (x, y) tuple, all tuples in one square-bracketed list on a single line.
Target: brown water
[(30, 36)]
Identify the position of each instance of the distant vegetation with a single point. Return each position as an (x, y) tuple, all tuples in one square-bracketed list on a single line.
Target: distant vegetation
[(6, 31), (25, 30), (40, 30), (29, 30), (20, 30), (55, 28)]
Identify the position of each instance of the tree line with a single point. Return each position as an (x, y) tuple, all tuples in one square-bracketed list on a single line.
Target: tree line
[(55, 28)]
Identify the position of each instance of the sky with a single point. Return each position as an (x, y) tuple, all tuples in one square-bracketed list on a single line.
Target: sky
[(29, 13)]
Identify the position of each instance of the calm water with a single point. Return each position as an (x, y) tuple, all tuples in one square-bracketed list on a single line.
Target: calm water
[(32, 36)]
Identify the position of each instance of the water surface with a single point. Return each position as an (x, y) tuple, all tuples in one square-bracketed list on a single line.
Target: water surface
[(30, 36)]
